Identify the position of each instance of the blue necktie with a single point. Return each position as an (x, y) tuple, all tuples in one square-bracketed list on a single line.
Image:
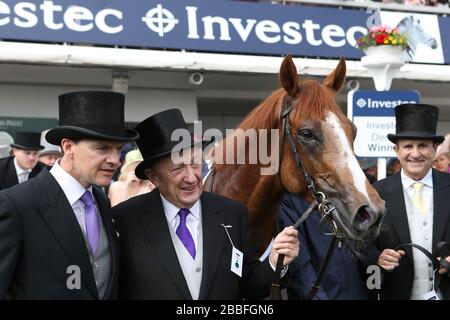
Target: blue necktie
[(184, 234)]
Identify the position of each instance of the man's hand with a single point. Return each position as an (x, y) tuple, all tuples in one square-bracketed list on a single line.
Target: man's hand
[(442, 270), (389, 259), (286, 242)]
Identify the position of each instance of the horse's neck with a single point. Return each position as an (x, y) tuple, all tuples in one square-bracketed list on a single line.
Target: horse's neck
[(260, 193)]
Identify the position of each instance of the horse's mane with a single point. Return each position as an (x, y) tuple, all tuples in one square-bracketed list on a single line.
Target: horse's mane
[(314, 101)]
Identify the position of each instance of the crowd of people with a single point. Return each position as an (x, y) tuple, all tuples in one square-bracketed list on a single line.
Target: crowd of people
[(68, 231)]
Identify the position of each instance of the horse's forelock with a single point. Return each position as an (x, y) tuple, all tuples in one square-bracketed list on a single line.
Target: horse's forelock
[(314, 101)]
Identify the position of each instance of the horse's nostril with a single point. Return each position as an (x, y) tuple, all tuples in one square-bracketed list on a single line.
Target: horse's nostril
[(362, 219)]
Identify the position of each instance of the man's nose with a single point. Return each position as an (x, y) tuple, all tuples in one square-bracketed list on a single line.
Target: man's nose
[(114, 157), (190, 173)]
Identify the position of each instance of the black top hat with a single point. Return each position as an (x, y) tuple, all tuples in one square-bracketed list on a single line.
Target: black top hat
[(91, 115), (416, 121), (155, 141), (27, 141)]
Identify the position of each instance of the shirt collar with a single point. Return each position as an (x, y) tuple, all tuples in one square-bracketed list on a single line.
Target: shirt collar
[(19, 170), (407, 182), (171, 210), (70, 186)]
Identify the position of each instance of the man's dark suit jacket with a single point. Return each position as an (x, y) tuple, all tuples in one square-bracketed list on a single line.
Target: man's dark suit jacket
[(8, 175), (149, 264), (395, 231), (342, 279), (40, 238)]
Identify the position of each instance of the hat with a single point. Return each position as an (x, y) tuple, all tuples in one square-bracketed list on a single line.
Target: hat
[(131, 158), (91, 115), (133, 155), (444, 147), (155, 135), (416, 121), (48, 148), (27, 141), (5, 144)]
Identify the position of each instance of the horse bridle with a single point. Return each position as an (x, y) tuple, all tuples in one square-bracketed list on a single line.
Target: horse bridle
[(320, 203)]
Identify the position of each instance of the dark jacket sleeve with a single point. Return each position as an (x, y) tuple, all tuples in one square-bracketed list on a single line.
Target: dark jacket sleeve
[(257, 276), (10, 232), (302, 272)]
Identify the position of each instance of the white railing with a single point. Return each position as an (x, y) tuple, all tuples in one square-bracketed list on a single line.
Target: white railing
[(441, 10)]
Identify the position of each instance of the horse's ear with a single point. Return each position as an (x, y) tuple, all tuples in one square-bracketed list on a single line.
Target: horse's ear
[(288, 76), (336, 79)]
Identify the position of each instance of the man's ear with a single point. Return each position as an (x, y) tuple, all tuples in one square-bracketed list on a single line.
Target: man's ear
[(67, 147), (152, 176)]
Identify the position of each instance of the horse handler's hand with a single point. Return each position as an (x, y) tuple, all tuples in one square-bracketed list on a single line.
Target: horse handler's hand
[(389, 259), (443, 270), (286, 242)]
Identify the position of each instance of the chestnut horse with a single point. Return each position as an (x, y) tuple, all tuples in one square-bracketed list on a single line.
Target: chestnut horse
[(323, 137)]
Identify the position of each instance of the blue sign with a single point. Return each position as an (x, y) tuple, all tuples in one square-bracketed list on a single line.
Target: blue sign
[(202, 25), (444, 24), (219, 26), (368, 103), (373, 113)]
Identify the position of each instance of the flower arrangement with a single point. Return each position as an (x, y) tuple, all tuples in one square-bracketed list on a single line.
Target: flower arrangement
[(382, 35)]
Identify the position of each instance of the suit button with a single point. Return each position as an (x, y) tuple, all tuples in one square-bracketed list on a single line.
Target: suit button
[(429, 264), (431, 279)]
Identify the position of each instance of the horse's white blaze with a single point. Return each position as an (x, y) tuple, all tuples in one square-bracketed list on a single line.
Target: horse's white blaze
[(348, 160)]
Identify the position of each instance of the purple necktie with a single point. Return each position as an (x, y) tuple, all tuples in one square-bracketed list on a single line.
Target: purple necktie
[(92, 223), (184, 234)]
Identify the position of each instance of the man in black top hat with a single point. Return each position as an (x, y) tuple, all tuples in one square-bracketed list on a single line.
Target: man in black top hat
[(57, 236), (417, 208), (24, 164), (180, 242)]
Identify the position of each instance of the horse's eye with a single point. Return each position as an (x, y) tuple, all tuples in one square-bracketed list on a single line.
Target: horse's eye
[(305, 134)]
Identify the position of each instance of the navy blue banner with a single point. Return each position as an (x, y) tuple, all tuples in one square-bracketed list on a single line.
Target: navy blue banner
[(225, 26), (367, 103), (212, 26), (444, 26)]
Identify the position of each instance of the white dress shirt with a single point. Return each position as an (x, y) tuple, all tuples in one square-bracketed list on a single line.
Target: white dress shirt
[(73, 191), (421, 233), (22, 175)]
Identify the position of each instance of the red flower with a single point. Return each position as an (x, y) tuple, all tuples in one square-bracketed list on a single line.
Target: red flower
[(380, 38)]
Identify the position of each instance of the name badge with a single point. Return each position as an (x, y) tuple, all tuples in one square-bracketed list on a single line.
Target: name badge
[(237, 258), (430, 295)]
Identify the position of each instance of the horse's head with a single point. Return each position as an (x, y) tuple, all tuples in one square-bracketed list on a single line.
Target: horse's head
[(412, 27), (324, 137)]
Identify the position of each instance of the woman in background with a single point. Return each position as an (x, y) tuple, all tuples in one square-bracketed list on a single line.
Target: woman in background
[(442, 160), (128, 185)]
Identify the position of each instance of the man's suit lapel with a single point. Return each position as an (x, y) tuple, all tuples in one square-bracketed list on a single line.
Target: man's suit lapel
[(105, 212), (11, 175), (212, 218), (441, 205), (156, 228), (60, 218), (37, 168), (399, 217)]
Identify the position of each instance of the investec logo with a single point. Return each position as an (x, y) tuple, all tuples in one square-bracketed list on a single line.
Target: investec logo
[(387, 104), (162, 21)]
